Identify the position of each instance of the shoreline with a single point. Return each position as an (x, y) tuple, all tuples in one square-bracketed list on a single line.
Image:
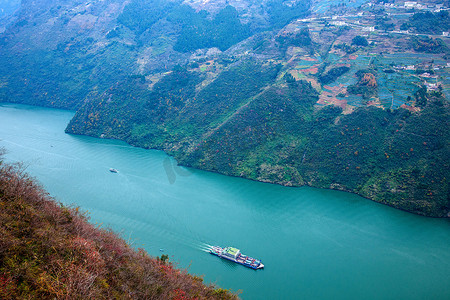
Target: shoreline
[(339, 187), (270, 182)]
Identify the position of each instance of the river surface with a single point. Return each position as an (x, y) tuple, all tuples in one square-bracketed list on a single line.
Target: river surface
[(315, 244)]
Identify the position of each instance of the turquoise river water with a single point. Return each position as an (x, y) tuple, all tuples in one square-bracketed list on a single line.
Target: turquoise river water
[(315, 244)]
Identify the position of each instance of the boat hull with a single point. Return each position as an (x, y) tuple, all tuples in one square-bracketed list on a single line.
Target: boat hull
[(217, 251)]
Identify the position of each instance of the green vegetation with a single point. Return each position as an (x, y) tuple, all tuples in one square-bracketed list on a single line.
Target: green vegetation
[(142, 117), (64, 76), (384, 23), (333, 74), (256, 134), (280, 13), (298, 39), (429, 45), (138, 75), (371, 143), (360, 41), (140, 15), (346, 48), (428, 22), (229, 91), (242, 125), (393, 157), (421, 97), (366, 86), (50, 251), (199, 32)]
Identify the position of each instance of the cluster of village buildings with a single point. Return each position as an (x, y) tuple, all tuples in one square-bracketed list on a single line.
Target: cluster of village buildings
[(406, 5), (415, 5)]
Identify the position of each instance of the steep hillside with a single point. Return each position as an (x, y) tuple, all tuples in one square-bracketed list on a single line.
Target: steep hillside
[(7, 9), (56, 52), (277, 135), (291, 92), (49, 251)]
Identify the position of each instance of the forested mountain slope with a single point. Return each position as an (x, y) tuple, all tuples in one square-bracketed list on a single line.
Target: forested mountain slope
[(288, 92)]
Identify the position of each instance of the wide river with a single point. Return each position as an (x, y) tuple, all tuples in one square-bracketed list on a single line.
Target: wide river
[(315, 244)]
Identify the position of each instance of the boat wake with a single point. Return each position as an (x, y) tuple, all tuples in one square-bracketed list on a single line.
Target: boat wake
[(204, 247)]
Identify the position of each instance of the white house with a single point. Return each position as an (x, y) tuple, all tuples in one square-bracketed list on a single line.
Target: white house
[(369, 28), (410, 4)]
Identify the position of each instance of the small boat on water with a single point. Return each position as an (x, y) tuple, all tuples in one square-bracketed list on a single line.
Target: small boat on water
[(236, 256), (112, 170)]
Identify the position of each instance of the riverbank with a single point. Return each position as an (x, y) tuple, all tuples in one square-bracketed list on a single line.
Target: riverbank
[(48, 250), (326, 232), (392, 156)]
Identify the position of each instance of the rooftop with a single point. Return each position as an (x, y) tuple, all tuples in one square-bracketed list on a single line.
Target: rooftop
[(231, 251)]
